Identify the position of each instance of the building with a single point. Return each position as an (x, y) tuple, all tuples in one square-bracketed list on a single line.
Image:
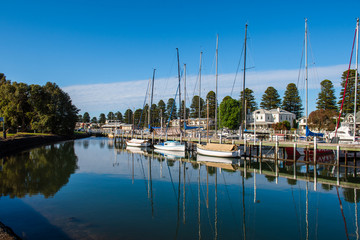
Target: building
[(194, 122), (264, 119)]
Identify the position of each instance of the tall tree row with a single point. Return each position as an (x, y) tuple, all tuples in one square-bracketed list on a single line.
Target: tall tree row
[(33, 107)]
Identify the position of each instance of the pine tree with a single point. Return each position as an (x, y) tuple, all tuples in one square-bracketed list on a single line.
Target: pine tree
[(194, 107), (212, 101), (348, 106), (102, 118), (270, 99), (86, 117), (292, 100), (118, 116), (128, 116), (110, 116), (249, 98), (171, 109), (326, 98)]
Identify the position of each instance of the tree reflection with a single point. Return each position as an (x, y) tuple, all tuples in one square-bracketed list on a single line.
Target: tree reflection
[(40, 171)]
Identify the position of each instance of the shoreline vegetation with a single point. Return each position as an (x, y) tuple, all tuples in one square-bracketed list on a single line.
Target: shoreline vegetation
[(15, 143)]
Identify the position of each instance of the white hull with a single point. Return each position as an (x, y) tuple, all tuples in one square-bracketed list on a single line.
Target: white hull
[(138, 143), (171, 146), (213, 153)]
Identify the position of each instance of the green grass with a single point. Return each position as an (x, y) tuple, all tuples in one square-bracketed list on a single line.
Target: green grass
[(19, 134)]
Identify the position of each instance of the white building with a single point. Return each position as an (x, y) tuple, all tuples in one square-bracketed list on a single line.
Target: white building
[(264, 119)]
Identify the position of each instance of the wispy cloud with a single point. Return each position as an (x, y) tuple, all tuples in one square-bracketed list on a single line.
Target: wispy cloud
[(118, 96)]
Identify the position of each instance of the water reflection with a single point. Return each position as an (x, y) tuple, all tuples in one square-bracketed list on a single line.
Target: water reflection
[(118, 189), (42, 170)]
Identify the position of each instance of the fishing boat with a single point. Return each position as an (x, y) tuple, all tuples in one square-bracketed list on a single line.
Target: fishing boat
[(218, 150), (171, 146), (138, 143)]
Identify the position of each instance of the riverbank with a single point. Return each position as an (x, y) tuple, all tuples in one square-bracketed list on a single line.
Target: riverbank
[(21, 142)]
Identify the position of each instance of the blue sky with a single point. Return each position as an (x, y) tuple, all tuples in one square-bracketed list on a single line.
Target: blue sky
[(103, 52)]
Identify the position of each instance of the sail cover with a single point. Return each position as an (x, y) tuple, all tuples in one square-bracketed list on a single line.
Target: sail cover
[(310, 133)]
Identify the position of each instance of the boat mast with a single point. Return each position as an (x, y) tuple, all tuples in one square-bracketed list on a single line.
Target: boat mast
[(151, 98), (243, 100), (216, 80), (200, 95), (306, 73), (356, 73), (177, 51), (184, 94)]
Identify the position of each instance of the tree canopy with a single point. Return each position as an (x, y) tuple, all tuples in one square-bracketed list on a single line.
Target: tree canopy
[(292, 101), (326, 98), (249, 98), (194, 107), (33, 107), (229, 113), (270, 99), (322, 119), (349, 98)]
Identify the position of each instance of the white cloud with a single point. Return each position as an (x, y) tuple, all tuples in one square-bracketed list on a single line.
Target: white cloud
[(118, 96)]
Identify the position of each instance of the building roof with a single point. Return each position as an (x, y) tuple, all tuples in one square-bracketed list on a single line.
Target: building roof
[(272, 111)]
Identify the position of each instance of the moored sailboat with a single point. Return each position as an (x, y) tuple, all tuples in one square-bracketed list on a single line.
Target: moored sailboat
[(173, 145), (218, 150)]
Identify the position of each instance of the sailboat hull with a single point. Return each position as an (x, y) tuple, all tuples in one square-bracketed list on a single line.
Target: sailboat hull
[(214, 153), (171, 146)]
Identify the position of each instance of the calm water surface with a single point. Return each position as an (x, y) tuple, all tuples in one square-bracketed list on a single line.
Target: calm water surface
[(91, 189)]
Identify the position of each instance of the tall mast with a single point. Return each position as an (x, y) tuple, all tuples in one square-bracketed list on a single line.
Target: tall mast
[(216, 80), (177, 51), (356, 73), (243, 100), (306, 73), (200, 90), (184, 94), (151, 97)]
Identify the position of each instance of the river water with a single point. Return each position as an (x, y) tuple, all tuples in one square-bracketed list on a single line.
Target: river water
[(94, 189)]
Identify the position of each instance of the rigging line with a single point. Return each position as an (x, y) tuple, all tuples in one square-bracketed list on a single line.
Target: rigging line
[(174, 59), (197, 80), (301, 62), (237, 69), (144, 103), (296, 212), (347, 78), (313, 58), (142, 167), (342, 213), (228, 195), (172, 181), (172, 108)]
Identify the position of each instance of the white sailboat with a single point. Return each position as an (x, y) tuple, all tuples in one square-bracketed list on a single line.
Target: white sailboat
[(138, 143), (143, 142), (218, 150), (173, 145), (212, 149)]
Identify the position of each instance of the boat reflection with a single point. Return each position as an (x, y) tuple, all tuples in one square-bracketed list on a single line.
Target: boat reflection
[(171, 154)]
